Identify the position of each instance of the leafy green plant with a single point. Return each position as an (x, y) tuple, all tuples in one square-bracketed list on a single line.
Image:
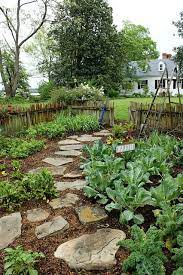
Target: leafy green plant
[(127, 200), (39, 185), (100, 175), (178, 256), (19, 261), (18, 147), (64, 125), (170, 220), (16, 165), (146, 252), (169, 190), (31, 186)]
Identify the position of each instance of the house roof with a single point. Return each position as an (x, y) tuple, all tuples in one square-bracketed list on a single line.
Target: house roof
[(153, 70)]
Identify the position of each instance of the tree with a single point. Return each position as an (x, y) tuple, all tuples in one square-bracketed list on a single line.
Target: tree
[(137, 44), (41, 50), (8, 70), (13, 24), (87, 45), (179, 50)]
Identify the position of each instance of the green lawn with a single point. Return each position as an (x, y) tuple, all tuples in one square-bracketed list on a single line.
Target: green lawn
[(121, 105)]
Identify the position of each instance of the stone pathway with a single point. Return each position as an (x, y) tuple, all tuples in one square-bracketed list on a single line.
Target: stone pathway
[(90, 251)]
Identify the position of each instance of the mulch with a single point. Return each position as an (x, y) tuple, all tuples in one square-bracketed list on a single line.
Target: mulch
[(50, 265)]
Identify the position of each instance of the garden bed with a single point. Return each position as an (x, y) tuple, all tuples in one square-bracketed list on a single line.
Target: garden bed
[(48, 245)]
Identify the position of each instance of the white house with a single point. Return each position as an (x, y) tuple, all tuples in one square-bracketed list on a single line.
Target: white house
[(150, 78)]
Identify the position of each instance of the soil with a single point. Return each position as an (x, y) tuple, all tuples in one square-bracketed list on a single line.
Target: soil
[(50, 265)]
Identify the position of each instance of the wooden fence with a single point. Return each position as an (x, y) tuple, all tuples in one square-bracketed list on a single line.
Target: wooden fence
[(162, 117), (14, 119)]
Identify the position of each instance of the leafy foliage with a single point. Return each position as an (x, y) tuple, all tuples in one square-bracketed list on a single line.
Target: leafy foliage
[(31, 186), (146, 252), (18, 147), (178, 257), (87, 45), (81, 93), (63, 125), (19, 261)]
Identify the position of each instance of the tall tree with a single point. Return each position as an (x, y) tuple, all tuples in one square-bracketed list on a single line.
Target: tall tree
[(137, 44), (14, 24), (179, 50), (41, 50), (87, 45)]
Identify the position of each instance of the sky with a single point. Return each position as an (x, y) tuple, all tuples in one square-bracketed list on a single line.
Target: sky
[(157, 15)]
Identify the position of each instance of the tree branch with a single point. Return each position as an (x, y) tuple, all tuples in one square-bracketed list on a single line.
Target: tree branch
[(9, 23), (40, 25), (8, 44), (27, 3)]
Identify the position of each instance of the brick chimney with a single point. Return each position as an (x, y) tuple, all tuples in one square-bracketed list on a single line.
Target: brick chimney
[(166, 56)]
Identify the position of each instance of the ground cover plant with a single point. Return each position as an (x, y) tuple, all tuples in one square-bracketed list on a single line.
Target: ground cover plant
[(29, 186), (19, 147), (19, 261), (64, 124), (142, 178)]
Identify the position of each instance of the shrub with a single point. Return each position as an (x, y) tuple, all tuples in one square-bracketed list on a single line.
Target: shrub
[(31, 186), (80, 93), (19, 261), (45, 90)]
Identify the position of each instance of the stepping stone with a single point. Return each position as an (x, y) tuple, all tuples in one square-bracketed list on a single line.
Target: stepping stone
[(37, 215), (73, 137), (69, 153), (68, 201), (88, 138), (57, 224), (74, 185), (71, 147), (102, 134), (68, 142), (91, 251), (56, 171), (88, 214), (73, 175), (10, 229), (104, 131), (58, 161)]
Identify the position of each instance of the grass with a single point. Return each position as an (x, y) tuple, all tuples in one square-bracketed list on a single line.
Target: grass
[(121, 105)]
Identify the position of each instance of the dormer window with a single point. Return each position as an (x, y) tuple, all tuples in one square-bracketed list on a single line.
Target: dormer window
[(161, 66)]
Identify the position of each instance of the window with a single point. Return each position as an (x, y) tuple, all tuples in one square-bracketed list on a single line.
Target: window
[(142, 84), (161, 66), (174, 83), (160, 83)]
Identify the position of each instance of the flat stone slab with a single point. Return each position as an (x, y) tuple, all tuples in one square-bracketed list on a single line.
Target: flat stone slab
[(71, 147), (37, 215), (58, 161), (73, 137), (56, 171), (10, 229), (73, 175), (69, 153), (91, 251), (68, 142), (102, 134), (57, 224), (88, 138), (74, 185), (88, 214), (68, 201)]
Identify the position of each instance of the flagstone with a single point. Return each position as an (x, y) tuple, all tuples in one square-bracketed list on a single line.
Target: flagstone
[(56, 171), (71, 147), (68, 201), (74, 185), (68, 142), (58, 161), (69, 153), (37, 214)]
